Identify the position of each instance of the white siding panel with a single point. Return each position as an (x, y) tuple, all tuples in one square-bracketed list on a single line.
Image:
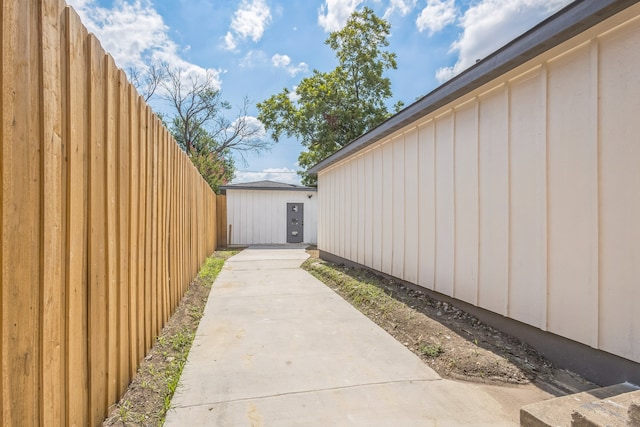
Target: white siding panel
[(445, 250), (310, 216), (347, 210), (377, 208), (337, 202), (466, 203), (528, 201), (245, 217), (573, 203), (330, 218), (362, 208), (341, 212), (338, 183), (368, 209), (387, 207), (411, 230), (427, 202), (353, 211), (261, 218), (620, 192), (398, 207), (493, 147), (323, 182)]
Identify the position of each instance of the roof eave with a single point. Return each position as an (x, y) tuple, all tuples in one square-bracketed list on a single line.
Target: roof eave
[(239, 187)]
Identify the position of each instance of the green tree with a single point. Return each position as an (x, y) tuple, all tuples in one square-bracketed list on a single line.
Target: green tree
[(216, 165), (329, 110)]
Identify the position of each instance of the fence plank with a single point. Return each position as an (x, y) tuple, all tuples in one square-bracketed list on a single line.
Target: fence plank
[(111, 139), (148, 306), (52, 283), (20, 214), (124, 247), (162, 223), (133, 206), (98, 288), (77, 404), (154, 226)]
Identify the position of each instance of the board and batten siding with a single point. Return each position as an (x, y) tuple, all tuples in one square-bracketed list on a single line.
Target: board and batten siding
[(521, 197), (259, 217)]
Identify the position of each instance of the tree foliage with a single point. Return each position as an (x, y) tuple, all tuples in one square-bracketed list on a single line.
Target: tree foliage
[(328, 110)]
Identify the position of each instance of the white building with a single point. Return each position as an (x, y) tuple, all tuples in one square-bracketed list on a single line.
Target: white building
[(268, 212), (514, 190)]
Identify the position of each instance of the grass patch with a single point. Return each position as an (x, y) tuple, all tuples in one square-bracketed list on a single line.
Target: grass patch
[(210, 270), (431, 350), (148, 398), (361, 292)]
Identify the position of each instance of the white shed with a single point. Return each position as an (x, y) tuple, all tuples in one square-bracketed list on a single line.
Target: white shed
[(269, 212), (514, 188)]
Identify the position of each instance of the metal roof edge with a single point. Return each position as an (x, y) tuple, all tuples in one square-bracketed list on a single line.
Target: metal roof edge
[(570, 21)]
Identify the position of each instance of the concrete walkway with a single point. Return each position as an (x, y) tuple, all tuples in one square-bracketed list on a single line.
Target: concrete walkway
[(276, 347)]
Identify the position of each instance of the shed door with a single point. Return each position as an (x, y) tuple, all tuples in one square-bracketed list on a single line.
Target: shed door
[(295, 222)]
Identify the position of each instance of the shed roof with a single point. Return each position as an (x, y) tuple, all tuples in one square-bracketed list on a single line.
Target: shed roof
[(265, 185), (572, 20)]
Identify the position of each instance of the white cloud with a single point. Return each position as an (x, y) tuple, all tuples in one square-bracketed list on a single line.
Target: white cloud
[(437, 15), (253, 58), (333, 14), (249, 22), (286, 175), (284, 62), (136, 35), (253, 124), (128, 31), (403, 6), (490, 24), (230, 42), (281, 61)]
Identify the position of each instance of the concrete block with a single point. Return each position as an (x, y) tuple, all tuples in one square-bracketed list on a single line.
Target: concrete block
[(610, 412), (558, 412), (634, 413)]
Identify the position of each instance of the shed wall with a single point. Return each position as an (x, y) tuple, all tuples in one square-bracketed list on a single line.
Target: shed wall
[(522, 197), (259, 217)]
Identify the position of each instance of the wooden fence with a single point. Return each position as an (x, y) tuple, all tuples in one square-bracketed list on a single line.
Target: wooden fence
[(104, 221)]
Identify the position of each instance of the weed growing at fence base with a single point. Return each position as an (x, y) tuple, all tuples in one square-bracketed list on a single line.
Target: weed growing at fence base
[(148, 397), (211, 268)]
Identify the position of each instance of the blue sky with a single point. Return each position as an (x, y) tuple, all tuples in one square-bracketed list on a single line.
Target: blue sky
[(255, 48)]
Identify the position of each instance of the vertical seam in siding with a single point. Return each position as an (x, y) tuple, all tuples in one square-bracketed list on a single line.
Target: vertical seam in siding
[(595, 120), (392, 210), (478, 222), (404, 210), (507, 308), (435, 205), (454, 116), (544, 312), (418, 213)]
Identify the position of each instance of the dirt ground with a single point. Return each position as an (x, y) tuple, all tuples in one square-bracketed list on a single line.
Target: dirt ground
[(453, 343)]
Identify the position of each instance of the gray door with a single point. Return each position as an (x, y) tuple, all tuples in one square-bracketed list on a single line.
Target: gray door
[(295, 222)]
